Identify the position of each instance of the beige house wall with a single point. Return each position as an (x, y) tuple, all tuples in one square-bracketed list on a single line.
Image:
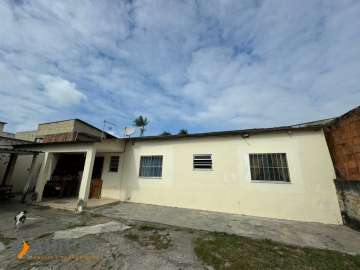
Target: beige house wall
[(55, 128), (227, 187), (21, 171), (81, 127), (26, 135)]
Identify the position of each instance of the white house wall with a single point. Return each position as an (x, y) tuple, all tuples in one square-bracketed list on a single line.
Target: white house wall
[(227, 187)]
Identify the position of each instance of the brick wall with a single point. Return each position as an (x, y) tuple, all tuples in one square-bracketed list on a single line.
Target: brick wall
[(343, 138), (349, 198)]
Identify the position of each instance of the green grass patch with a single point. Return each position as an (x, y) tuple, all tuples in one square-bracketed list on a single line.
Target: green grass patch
[(132, 236), (149, 227), (6, 240), (224, 251), (150, 239)]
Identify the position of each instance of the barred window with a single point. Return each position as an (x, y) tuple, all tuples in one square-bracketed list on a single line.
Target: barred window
[(151, 166), (114, 164), (269, 167), (202, 161)]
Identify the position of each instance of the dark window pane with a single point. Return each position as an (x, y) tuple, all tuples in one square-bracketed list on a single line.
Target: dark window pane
[(269, 167)]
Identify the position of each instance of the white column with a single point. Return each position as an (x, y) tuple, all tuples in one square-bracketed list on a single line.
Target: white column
[(44, 174), (30, 177), (86, 176)]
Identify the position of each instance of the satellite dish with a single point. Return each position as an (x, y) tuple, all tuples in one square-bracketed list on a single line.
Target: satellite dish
[(129, 131)]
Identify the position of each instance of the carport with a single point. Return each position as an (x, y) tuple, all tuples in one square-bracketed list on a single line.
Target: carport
[(52, 152), (5, 189)]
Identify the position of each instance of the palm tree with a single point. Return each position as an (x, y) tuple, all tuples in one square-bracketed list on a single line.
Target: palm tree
[(165, 133), (141, 122), (183, 132)]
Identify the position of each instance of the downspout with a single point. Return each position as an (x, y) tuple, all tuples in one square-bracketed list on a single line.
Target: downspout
[(122, 166)]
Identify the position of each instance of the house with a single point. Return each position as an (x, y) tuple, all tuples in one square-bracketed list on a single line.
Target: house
[(64, 131), (343, 138), (20, 162), (283, 172)]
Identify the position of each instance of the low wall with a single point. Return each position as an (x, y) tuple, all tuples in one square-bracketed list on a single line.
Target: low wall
[(349, 199)]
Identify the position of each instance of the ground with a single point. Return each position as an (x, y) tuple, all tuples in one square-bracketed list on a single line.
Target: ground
[(62, 239)]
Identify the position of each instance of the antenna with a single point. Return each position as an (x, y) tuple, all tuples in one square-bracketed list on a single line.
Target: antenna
[(103, 129), (129, 131)]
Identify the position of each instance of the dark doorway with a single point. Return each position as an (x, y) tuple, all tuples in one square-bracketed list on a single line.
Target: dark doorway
[(66, 178), (98, 167)]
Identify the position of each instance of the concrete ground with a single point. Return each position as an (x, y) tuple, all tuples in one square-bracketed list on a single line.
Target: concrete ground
[(61, 239), (332, 237), (71, 203), (116, 237)]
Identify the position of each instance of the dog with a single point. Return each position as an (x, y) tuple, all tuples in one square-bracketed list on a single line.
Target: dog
[(20, 218)]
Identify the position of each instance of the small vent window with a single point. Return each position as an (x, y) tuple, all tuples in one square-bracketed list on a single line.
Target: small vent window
[(269, 167), (202, 161), (114, 163)]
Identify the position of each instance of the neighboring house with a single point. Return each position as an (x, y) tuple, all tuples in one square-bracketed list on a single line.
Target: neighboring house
[(343, 138), (3, 133), (64, 131), (284, 172)]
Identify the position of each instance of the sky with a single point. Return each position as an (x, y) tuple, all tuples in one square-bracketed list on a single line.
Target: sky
[(199, 65)]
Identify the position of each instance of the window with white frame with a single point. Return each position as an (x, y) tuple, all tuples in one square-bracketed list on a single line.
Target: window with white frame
[(114, 163), (202, 161), (151, 166), (269, 167)]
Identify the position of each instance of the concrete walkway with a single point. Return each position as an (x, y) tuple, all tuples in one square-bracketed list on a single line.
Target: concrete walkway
[(334, 237)]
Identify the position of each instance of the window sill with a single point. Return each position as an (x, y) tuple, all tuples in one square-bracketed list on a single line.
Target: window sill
[(151, 177), (203, 169), (269, 182)]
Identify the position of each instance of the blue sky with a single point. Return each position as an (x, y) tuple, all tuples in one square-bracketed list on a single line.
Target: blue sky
[(200, 65)]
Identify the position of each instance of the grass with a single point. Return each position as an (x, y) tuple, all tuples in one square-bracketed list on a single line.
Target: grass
[(6, 240), (148, 227), (224, 251), (150, 238)]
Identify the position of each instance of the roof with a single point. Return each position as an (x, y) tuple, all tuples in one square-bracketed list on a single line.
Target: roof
[(309, 126), (53, 143), (1, 122), (81, 121)]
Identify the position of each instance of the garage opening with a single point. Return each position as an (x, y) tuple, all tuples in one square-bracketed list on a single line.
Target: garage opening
[(66, 177)]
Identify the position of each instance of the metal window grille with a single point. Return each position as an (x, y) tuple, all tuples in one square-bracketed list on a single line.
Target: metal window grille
[(114, 163), (151, 166), (269, 167), (202, 161)]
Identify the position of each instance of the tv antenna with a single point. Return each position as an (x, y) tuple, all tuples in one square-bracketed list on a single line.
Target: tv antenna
[(110, 126)]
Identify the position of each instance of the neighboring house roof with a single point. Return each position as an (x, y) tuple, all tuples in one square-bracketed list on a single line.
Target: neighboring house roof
[(81, 121)]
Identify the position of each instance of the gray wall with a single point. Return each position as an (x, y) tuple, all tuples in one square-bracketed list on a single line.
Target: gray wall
[(349, 199)]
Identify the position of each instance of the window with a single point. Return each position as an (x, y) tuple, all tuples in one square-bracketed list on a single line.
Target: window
[(202, 161), (151, 166), (114, 164), (269, 167)]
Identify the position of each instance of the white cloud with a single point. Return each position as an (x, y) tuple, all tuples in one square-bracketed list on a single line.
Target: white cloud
[(201, 65), (60, 91)]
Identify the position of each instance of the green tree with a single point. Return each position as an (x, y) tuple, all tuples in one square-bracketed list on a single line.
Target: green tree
[(141, 122), (183, 132), (165, 133)]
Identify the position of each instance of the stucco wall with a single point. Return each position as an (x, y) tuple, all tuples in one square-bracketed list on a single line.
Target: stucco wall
[(82, 128), (26, 135), (111, 180), (310, 196), (55, 128)]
